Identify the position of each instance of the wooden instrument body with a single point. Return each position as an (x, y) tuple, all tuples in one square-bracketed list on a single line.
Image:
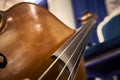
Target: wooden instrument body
[(31, 34)]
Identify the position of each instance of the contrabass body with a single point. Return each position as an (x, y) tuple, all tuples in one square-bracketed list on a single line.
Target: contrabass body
[(29, 35)]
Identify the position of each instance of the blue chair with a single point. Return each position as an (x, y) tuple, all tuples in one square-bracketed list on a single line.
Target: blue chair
[(103, 60)]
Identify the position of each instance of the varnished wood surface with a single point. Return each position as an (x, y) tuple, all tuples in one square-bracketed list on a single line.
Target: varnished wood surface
[(31, 35)]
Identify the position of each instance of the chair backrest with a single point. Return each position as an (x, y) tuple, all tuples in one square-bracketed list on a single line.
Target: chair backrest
[(112, 28), (109, 28)]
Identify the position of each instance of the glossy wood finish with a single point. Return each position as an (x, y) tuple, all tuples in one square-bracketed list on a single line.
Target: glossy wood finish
[(31, 35)]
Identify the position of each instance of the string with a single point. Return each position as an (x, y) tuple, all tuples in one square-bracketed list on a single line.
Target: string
[(77, 60), (65, 65), (46, 71), (75, 64), (69, 59), (84, 37)]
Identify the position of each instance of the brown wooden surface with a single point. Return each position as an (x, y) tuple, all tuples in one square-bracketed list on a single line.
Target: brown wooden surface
[(30, 37)]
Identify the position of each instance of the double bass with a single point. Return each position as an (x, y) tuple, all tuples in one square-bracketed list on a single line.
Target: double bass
[(35, 45)]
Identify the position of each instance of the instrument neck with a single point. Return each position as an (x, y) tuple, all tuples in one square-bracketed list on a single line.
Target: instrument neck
[(72, 51)]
